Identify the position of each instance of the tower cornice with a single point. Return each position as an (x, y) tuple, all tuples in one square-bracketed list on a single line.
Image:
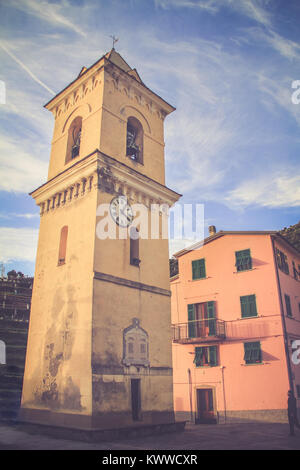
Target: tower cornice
[(104, 173)]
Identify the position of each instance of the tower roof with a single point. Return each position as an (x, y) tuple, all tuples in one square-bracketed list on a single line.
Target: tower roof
[(116, 59)]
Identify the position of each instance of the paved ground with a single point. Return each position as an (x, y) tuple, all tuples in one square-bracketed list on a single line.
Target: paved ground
[(195, 437)]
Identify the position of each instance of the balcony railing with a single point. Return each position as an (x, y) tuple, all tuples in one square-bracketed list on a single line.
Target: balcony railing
[(205, 330)]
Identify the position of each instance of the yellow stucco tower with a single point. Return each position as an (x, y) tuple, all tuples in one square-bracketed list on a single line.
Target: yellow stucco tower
[(99, 344)]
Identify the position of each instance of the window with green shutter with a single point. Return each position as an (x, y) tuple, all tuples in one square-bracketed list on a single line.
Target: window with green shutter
[(288, 305), (211, 318), (191, 321), (213, 359), (206, 356), (282, 261), (198, 269), (243, 260), (252, 353), (248, 306)]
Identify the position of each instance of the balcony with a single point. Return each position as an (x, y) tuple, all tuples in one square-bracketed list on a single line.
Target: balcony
[(196, 331)]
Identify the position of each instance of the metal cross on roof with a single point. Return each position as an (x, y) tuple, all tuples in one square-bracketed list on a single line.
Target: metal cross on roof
[(114, 40)]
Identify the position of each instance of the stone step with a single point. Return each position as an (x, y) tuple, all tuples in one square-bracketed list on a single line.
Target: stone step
[(9, 415), (14, 381), (9, 404), (14, 339), (8, 393), (13, 325)]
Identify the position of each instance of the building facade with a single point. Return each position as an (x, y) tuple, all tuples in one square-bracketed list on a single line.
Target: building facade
[(99, 347), (236, 328)]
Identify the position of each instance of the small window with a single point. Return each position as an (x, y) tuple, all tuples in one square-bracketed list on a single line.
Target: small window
[(282, 261), (134, 140), (243, 260), (252, 353), (74, 139), (295, 272), (298, 391), (63, 245), (288, 305), (248, 306), (206, 356), (198, 269), (134, 247)]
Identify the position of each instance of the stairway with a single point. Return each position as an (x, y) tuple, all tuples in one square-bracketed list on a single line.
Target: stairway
[(14, 334)]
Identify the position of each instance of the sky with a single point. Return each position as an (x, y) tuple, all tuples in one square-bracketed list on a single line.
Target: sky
[(230, 67)]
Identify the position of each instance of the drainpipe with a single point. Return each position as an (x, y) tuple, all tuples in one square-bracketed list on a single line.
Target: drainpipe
[(224, 398), (190, 392), (286, 345)]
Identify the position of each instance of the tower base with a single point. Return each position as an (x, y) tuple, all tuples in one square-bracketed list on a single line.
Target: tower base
[(35, 422)]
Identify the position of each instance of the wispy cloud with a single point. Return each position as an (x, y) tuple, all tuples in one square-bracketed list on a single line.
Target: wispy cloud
[(13, 215), (24, 67), (20, 171), (275, 190), (253, 9), (18, 244), (50, 12)]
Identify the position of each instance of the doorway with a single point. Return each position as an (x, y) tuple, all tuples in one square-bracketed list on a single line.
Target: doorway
[(136, 399), (205, 406)]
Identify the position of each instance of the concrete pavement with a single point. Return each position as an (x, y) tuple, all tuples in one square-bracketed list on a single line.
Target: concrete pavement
[(263, 436)]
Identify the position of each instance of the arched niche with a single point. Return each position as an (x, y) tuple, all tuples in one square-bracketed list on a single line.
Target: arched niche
[(135, 345)]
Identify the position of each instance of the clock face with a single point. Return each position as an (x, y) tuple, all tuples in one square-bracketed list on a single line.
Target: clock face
[(121, 211)]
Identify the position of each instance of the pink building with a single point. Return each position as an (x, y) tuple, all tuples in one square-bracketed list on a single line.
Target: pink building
[(236, 320)]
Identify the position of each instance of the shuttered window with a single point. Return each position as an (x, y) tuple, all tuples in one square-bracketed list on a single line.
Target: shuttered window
[(288, 305), (206, 356), (282, 261), (191, 321), (252, 352), (211, 318), (198, 269), (248, 306), (243, 260)]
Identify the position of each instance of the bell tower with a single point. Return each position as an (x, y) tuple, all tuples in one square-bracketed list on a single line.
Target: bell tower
[(99, 343)]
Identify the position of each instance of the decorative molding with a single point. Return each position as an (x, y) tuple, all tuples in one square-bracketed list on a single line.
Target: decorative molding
[(133, 284), (106, 174), (120, 82), (75, 95)]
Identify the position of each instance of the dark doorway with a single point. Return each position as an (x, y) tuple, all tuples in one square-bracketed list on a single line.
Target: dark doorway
[(136, 399), (205, 406)]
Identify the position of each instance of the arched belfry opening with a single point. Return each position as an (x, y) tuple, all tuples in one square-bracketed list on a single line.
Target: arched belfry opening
[(74, 139), (134, 140)]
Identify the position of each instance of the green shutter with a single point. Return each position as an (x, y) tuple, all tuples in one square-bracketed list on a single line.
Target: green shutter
[(288, 305), (213, 361), (198, 269), (252, 305), (248, 306), (243, 260), (211, 318), (244, 306), (191, 321), (252, 352), (198, 356)]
